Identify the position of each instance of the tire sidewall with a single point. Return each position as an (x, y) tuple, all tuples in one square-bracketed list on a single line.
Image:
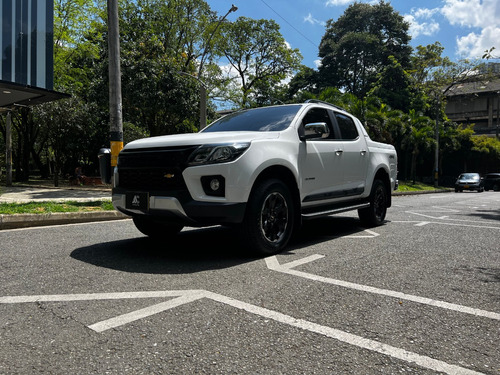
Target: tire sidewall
[(369, 216), (253, 236)]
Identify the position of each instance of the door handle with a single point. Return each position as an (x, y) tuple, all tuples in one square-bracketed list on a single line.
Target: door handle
[(339, 152), (363, 152)]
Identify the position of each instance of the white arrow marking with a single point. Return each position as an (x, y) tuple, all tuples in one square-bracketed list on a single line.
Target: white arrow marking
[(273, 264), (193, 295)]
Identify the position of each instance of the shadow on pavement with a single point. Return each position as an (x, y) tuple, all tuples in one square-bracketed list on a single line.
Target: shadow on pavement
[(189, 252), (200, 250)]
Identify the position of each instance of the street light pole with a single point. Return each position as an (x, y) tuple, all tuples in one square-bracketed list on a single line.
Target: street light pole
[(8, 149), (436, 151), (203, 89)]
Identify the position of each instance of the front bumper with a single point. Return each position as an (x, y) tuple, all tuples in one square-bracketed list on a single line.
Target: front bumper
[(473, 186), (191, 213)]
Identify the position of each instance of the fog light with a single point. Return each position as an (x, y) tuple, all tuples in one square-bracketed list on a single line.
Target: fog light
[(214, 185)]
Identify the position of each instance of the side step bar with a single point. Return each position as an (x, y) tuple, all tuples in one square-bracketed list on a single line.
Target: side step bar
[(337, 210)]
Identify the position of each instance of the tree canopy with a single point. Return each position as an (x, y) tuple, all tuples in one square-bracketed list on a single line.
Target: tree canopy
[(359, 43)]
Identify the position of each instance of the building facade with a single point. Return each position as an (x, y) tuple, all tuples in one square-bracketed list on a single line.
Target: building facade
[(477, 102), (27, 42)]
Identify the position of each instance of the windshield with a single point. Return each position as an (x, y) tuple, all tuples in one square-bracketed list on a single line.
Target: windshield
[(469, 176), (265, 119)]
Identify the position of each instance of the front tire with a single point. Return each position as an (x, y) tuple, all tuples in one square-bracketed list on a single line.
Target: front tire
[(155, 228), (375, 214), (270, 218)]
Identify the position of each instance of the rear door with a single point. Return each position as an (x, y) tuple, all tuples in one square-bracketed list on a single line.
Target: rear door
[(355, 156)]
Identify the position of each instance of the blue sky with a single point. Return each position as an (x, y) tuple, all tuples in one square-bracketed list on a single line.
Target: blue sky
[(465, 28)]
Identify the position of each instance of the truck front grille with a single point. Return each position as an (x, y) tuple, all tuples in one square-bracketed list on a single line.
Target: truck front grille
[(154, 169)]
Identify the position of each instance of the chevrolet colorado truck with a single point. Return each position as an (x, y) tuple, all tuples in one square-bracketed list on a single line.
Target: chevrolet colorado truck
[(261, 170)]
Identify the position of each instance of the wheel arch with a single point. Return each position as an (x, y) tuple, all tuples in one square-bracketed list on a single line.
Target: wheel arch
[(286, 175)]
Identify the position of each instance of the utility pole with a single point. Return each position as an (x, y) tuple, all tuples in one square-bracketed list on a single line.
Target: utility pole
[(115, 88)]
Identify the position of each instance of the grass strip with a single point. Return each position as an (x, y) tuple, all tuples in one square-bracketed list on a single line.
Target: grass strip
[(405, 186), (51, 207)]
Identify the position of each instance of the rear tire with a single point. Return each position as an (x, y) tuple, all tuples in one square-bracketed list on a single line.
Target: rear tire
[(270, 218), (156, 228), (375, 214)]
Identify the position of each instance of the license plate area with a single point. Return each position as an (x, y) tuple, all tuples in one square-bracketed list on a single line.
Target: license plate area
[(466, 186), (137, 201)]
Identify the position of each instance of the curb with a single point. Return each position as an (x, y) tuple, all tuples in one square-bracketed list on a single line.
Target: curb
[(399, 193), (37, 220)]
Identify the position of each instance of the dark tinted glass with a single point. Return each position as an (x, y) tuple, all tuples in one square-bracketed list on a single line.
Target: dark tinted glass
[(266, 119), (347, 128)]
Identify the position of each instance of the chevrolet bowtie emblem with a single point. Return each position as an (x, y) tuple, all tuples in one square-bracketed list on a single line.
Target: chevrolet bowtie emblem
[(169, 175)]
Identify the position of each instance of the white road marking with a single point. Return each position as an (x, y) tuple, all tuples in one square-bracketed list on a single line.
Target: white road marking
[(94, 296), (450, 222), (273, 264), (349, 338), (371, 234), (183, 297), (422, 223), (148, 311)]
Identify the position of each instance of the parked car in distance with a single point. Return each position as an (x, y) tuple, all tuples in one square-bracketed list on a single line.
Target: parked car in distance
[(491, 181), (469, 181)]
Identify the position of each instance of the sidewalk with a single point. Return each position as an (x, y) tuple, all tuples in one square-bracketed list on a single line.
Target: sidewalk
[(23, 194)]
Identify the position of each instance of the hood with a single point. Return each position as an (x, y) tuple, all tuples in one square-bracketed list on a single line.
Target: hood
[(191, 139)]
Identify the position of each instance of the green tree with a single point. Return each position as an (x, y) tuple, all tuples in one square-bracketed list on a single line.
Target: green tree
[(357, 45), (259, 56), (72, 136), (305, 80), (394, 86), (74, 23), (419, 138)]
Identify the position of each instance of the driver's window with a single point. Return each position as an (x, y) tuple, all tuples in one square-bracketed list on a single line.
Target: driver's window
[(316, 115)]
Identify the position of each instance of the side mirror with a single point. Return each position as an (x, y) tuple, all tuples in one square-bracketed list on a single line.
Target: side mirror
[(316, 130)]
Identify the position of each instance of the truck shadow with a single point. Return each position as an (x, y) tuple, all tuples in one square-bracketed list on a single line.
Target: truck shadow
[(191, 251), (197, 250)]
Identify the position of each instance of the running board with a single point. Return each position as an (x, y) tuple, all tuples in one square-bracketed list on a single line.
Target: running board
[(333, 211)]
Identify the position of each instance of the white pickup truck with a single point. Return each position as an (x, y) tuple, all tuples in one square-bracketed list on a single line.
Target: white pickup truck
[(262, 170)]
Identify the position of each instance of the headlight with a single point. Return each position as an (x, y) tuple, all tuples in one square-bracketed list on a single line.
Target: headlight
[(212, 154)]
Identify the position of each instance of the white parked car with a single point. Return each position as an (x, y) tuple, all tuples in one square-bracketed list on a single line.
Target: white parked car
[(262, 170)]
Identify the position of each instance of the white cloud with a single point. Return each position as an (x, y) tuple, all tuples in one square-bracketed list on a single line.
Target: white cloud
[(472, 13), (313, 21), (338, 2), (424, 12), (426, 28), (474, 45), (482, 15)]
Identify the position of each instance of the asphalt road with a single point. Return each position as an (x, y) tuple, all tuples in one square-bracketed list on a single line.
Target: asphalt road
[(418, 295)]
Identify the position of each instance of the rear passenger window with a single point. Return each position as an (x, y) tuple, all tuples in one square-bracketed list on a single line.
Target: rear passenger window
[(347, 127)]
